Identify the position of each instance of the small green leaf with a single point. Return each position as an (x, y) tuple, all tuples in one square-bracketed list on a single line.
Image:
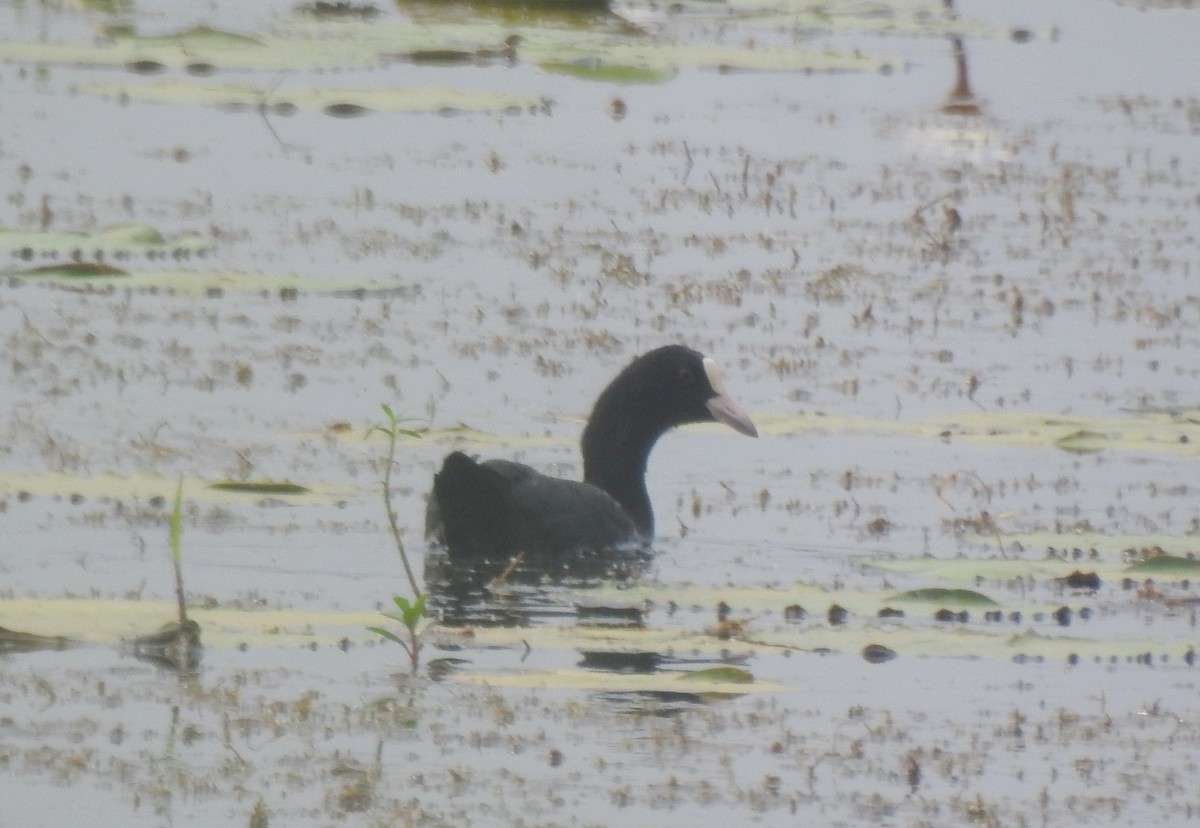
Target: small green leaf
[(940, 595), (177, 525), (75, 270), (1082, 441), (1166, 564), (388, 634), (259, 487), (723, 675), (411, 613), (609, 73)]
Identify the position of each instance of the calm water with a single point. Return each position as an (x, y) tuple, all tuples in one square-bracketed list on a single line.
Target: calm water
[(870, 270)]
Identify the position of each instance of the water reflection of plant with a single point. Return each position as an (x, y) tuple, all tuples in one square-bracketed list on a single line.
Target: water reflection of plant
[(409, 613)]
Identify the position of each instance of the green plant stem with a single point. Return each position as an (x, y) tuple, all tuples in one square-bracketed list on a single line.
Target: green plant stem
[(177, 553), (183, 640), (393, 520)]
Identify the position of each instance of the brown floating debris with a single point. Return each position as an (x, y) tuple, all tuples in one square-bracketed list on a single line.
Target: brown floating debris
[(1081, 580)]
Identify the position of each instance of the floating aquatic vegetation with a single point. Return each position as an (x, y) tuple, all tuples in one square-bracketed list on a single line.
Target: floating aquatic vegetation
[(73, 270), (605, 50), (97, 621), (190, 283), (1166, 565), (84, 250), (718, 682), (342, 103), (613, 74), (1082, 441), (154, 490), (15, 641), (260, 487), (1051, 552), (1176, 432), (943, 595), (339, 10), (876, 18), (643, 59), (724, 674)]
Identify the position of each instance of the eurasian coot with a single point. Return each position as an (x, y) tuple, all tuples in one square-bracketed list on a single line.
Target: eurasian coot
[(493, 510)]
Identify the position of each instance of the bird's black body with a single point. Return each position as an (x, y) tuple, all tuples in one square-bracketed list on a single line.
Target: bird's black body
[(491, 511)]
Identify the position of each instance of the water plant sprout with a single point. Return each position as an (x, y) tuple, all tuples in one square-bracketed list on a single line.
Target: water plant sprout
[(408, 612)]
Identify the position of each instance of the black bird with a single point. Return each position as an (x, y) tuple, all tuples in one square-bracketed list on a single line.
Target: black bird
[(491, 511)]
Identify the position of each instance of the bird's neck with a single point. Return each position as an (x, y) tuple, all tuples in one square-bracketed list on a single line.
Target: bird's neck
[(614, 459)]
